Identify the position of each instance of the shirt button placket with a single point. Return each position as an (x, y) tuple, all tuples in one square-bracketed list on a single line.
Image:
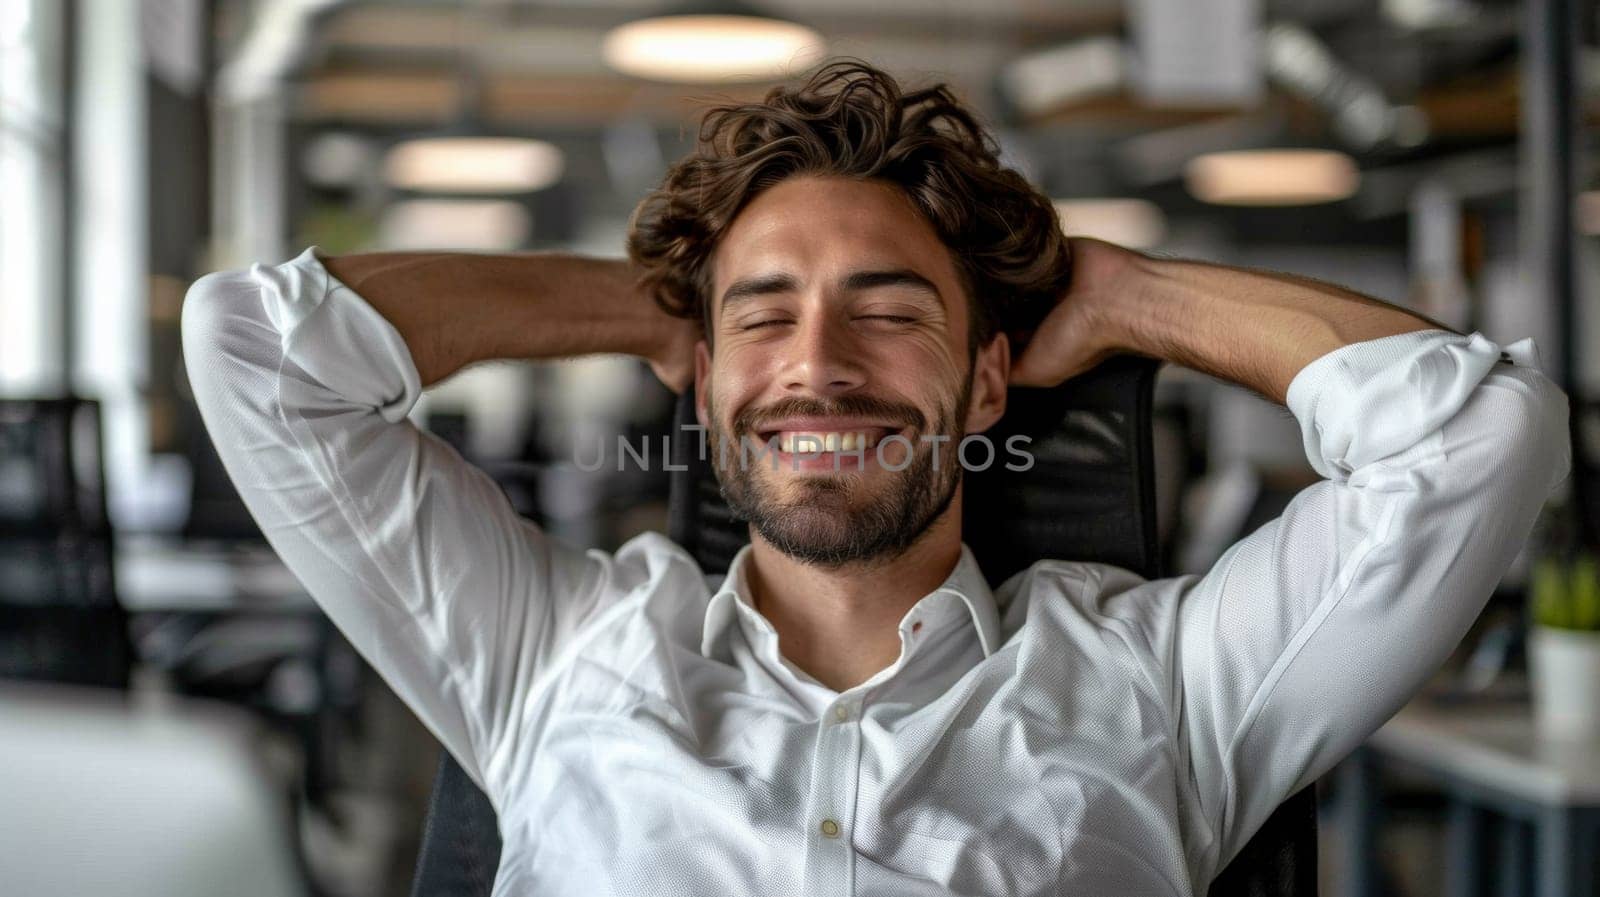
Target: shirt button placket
[(830, 858)]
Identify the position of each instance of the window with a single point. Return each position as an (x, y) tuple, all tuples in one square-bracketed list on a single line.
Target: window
[(31, 254)]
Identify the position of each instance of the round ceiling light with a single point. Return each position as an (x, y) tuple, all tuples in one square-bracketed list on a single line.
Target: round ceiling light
[(711, 48), (473, 165), (337, 159), (1272, 177), (1134, 223), (488, 225)]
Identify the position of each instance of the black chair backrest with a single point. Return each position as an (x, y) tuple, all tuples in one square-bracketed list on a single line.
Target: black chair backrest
[(59, 616), (1089, 496)]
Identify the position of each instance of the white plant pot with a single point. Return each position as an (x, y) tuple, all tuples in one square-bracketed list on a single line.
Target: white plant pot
[(1565, 666)]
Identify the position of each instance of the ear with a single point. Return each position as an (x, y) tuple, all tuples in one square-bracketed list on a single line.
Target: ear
[(702, 382), (991, 371)]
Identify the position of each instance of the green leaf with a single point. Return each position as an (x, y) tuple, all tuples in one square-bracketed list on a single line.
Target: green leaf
[(1547, 593)]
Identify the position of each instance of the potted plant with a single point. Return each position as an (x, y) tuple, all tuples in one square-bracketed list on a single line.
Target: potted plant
[(1564, 646)]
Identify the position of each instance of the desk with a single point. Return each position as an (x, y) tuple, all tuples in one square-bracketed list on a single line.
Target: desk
[(105, 795), (230, 622), (1500, 777), (162, 576)]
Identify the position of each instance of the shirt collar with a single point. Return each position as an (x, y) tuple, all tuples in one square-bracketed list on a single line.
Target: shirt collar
[(963, 596)]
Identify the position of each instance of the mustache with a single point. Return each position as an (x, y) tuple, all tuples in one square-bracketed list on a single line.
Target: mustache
[(751, 420)]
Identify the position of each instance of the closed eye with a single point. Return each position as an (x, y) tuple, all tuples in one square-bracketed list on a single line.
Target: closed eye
[(897, 319), (759, 324)]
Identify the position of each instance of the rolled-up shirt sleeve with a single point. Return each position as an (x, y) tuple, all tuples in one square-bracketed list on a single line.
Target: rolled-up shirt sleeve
[(1438, 450), (416, 555)]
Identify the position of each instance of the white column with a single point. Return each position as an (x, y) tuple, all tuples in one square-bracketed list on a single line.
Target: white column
[(111, 330)]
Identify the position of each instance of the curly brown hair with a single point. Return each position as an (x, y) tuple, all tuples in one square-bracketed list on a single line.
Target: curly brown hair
[(849, 119)]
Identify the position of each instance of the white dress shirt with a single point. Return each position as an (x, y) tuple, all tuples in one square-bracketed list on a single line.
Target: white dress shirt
[(1079, 730)]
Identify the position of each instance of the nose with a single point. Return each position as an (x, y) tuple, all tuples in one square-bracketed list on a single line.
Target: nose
[(822, 358)]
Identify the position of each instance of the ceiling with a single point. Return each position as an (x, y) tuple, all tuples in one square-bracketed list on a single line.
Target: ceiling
[(392, 68), (401, 63)]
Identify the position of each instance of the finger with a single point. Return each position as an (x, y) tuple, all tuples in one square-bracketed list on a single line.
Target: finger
[(1028, 372)]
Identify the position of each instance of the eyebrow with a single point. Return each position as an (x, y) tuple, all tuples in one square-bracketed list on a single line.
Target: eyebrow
[(767, 284)]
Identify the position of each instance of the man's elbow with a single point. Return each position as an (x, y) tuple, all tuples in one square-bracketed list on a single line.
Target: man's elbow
[(1511, 444), (1543, 444), (205, 312), (230, 348)]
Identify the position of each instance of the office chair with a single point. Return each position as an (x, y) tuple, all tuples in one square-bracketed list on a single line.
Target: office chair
[(1089, 496), (60, 620)]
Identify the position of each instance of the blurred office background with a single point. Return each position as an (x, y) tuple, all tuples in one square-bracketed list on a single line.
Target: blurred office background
[(172, 700)]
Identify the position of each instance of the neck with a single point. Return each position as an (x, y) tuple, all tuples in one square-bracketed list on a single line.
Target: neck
[(841, 624)]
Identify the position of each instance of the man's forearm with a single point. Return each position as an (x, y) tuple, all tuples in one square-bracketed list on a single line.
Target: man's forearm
[(1253, 328), (454, 309)]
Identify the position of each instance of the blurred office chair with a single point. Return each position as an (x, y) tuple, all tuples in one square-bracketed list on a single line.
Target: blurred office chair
[(1089, 496), (59, 616), (294, 671)]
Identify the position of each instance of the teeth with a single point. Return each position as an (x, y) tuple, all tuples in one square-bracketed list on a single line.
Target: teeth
[(825, 442)]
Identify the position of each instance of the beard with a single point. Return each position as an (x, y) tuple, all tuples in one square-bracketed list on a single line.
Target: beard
[(833, 521)]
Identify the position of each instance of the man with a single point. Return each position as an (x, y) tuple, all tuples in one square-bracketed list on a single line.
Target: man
[(852, 711)]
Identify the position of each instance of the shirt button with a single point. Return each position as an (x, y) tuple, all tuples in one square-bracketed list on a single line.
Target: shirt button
[(841, 712), (830, 829)]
